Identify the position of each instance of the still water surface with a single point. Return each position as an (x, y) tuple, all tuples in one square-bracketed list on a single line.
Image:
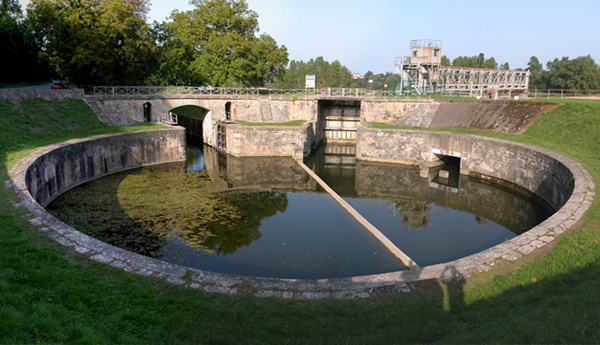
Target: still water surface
[(267, 217)]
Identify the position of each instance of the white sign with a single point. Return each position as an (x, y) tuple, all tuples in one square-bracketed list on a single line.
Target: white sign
[(310, 81)]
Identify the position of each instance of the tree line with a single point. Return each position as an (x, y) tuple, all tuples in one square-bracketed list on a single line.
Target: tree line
[(110, 42), (478, 61), (326, 74), (581, 73), (216, 43), (20, 58)]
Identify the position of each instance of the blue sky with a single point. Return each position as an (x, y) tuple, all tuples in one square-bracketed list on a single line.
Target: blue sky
[(367, 35)]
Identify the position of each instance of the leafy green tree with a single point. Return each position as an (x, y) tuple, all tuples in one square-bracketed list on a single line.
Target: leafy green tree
[(490, 63), (19, 59), (216, 44), (537, 75), (95, 41), (10, 9), (504, 66), (478, 61), (445, 61), (581, 73), (327, 74), (465, 61)]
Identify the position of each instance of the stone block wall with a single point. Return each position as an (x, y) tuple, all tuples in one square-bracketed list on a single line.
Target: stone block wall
[(536, 170), (72, 163), (413, 113), (268, 140), (47, 94)]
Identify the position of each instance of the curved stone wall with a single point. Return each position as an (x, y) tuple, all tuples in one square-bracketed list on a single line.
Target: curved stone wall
[(65, 166), (537, 171), (559, 180)]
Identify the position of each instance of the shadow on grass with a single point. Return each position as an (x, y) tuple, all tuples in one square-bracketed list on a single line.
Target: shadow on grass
[(560, 309)]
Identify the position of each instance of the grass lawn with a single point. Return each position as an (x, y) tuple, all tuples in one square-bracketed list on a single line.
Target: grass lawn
[(49, 294)]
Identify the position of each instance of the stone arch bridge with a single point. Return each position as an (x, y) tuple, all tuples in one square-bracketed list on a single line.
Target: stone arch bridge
[(327, 117)]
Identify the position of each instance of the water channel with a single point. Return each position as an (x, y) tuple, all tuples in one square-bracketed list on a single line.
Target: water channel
[(266, 217)]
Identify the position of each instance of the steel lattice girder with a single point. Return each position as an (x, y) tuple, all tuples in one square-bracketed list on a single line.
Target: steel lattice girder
[(460, 78)]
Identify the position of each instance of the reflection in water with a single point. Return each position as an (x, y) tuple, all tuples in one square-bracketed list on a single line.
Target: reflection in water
[(266, 217), (432, 220), (194, 153)]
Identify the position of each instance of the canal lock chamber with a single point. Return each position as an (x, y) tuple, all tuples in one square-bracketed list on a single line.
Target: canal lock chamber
[(266, 217), (556, 179)]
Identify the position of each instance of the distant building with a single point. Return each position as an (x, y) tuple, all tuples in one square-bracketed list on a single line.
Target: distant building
[(357, 76)]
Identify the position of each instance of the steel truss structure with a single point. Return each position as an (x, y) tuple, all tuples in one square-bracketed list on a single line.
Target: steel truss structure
[(482, 80), (422, 72)]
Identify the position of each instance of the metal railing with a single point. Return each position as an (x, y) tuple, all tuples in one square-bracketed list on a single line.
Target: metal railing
[(562, 93), (225, 91), (521, 94), (168, 90), (328, 92)]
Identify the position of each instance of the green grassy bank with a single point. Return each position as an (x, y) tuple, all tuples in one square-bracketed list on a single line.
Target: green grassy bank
[(49, 294)]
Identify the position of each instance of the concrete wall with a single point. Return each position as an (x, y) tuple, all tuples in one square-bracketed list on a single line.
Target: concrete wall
[(535, 170), (268, 140), (73, 163)]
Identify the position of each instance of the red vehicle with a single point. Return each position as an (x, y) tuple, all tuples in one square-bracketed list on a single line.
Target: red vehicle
[(58, 84)]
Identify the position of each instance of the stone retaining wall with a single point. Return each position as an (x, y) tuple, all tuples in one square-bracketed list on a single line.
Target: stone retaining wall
[(247, 141), (497, 116), (47, 94), (411, 113), (533, 169), (65, 166), (248, 108)]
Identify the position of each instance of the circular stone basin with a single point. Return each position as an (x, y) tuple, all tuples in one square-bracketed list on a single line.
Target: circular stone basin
[(559, 181), (265, 217)]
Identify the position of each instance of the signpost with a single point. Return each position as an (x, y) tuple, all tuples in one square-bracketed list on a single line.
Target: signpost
[(310, 81)]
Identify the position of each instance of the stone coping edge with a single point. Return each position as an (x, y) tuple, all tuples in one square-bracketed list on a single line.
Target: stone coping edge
[(566, 218)]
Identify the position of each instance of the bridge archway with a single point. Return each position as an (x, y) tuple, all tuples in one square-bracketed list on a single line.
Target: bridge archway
[(147, 112), (227, 111), (191, 117)]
